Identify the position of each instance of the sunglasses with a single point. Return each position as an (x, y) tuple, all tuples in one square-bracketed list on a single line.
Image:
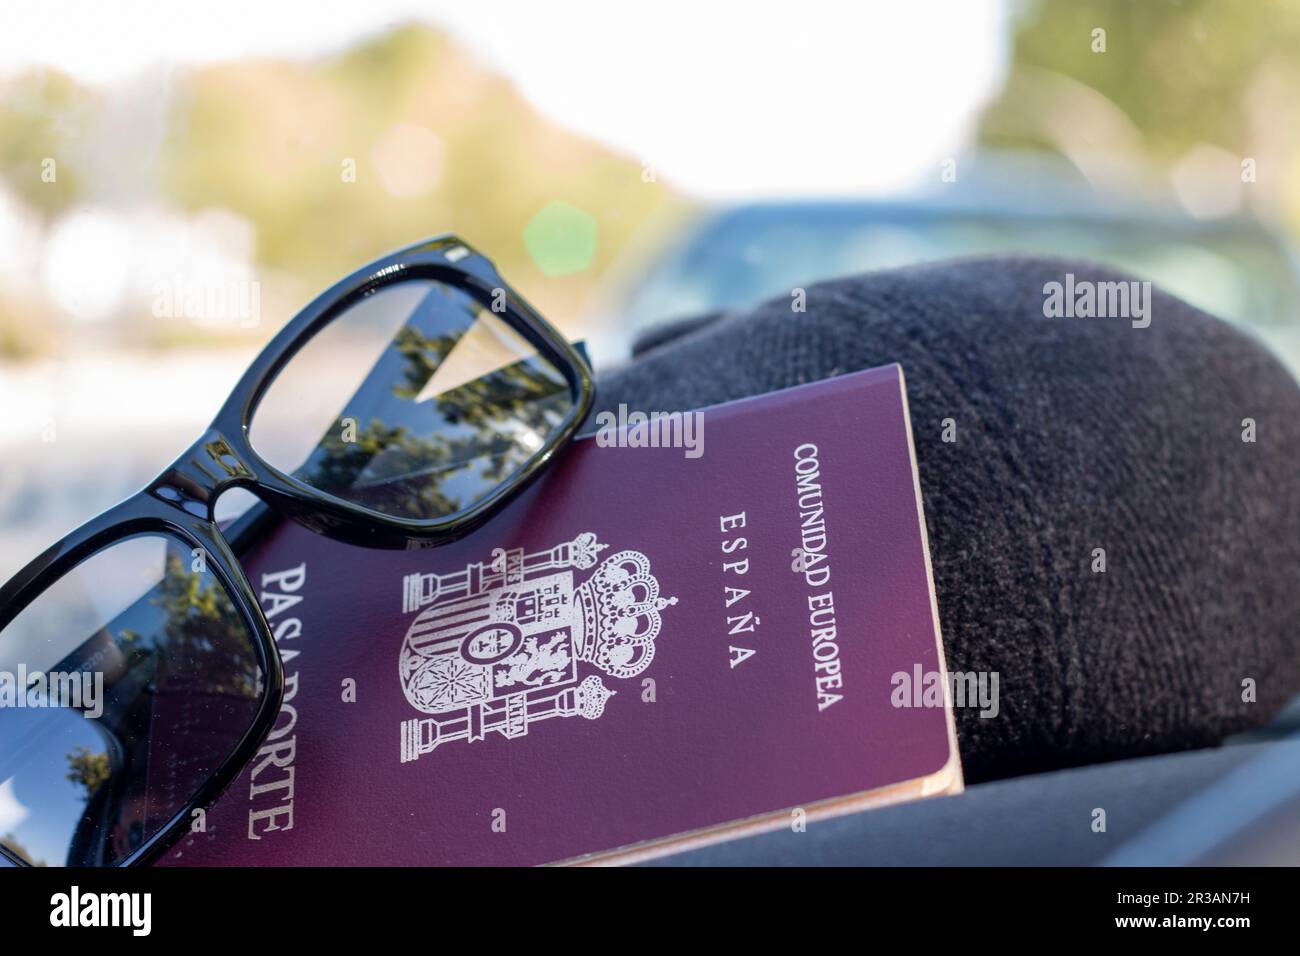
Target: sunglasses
[(138, 674)]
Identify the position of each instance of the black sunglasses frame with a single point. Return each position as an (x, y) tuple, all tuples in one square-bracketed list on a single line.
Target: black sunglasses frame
[(179, 502)]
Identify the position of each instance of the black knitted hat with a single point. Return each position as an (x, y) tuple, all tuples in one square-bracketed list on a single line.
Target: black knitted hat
[(1072, 434)]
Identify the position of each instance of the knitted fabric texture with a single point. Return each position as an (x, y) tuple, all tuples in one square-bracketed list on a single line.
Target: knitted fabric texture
[(1072, 434)]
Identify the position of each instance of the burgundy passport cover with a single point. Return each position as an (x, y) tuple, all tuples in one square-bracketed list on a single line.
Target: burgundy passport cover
[(645, 650)]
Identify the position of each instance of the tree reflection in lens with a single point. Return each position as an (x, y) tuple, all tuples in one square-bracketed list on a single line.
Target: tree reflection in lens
[(434, 458), (180, 689)]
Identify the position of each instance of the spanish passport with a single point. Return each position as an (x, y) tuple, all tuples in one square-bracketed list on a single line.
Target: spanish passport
[(658, 645)]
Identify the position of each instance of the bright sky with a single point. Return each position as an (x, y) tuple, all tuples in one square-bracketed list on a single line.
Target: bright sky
[(723, 99)]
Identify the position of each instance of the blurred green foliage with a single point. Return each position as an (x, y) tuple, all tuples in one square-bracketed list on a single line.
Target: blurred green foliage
[(274, 141), (1181, 72), (41, 114), (337, 160)]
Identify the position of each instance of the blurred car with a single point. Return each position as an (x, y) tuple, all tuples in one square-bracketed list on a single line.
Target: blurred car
[(730, 258)]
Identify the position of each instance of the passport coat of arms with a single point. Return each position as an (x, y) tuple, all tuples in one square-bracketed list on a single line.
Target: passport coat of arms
[(519, 639)]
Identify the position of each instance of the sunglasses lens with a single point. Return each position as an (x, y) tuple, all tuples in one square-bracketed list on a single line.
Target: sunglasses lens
[(416, 402), (123, 687)]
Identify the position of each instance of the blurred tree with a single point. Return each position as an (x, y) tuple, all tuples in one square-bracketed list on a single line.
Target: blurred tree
[(403, 136), (40, 115), (333, 161), (1172, 76)]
